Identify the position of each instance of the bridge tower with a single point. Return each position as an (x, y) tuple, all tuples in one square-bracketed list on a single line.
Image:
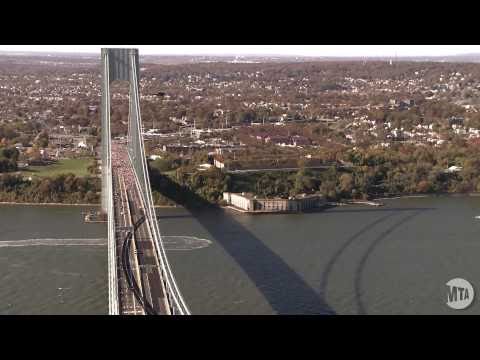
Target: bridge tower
[(116, 65), (123, 64)]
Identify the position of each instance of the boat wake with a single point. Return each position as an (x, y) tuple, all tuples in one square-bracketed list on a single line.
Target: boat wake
[(179, 243), (53, 242), (171, 243)]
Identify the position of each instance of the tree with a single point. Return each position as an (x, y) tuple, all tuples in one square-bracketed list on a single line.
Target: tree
[(8, 159), (346, 183), (162, 165), (265, 186), (424, 186), (328, 189), (41, 140), (303, 182)]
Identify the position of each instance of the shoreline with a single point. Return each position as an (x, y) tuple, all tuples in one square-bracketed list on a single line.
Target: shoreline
[(471, 194), (44, 204), (64, 204)]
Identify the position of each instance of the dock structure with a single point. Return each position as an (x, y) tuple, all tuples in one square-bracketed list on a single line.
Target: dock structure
[(250, 203)]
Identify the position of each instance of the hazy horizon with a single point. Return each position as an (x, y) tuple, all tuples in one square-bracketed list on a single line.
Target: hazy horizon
[(262, 50)]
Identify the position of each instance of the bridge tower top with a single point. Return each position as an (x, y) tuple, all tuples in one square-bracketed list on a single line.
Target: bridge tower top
[(119, 62)]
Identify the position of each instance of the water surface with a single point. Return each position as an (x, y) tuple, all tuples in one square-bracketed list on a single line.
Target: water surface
[(348, 260)]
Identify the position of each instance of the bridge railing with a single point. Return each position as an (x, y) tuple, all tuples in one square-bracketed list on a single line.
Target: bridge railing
[(137, 157), (107, 193)]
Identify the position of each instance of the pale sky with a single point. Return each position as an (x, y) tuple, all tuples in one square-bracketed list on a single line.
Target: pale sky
[(292, 50)]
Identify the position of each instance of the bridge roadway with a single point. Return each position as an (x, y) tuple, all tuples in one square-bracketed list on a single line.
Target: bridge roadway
[(140, 286)]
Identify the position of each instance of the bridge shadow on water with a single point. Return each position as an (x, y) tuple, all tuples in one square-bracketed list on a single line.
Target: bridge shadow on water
[(173, 217), (368, 253), (391, 212), (381, 209), (282, 287)]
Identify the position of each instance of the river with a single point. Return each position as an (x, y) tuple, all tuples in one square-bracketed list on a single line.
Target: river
[(394, 259)]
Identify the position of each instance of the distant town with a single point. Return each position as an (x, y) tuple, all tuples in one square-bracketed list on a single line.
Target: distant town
[(255, 134)]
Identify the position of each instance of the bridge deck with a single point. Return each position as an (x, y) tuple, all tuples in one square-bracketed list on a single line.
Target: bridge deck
[(141, 288)]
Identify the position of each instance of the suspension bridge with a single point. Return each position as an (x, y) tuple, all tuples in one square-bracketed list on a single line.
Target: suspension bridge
[(140, 279)]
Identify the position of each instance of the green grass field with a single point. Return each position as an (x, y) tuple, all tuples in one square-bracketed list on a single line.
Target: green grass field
[(75, 166)]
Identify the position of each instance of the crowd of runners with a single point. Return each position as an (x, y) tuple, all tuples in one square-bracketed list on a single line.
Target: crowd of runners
[(121, 165)]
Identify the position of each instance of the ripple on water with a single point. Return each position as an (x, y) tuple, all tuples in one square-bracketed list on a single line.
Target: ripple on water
[(171, 243), (39, 272)]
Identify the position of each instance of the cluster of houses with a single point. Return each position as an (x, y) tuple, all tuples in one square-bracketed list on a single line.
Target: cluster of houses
[(289, 141), (60, 147), (420, 133)]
